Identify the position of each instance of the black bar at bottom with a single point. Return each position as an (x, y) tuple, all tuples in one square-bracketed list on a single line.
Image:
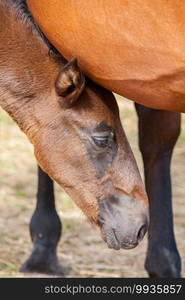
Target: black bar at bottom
[(45, 288)]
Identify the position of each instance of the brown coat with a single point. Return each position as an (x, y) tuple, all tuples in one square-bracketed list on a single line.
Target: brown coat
[(135, 48)]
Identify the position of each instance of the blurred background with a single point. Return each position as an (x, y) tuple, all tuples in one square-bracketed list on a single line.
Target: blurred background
[(81, 247)]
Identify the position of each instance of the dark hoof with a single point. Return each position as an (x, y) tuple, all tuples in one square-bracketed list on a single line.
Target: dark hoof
[(48, 269), (45, 262)]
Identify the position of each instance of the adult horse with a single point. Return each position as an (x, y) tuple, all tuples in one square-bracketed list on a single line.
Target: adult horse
[(135, 48), (132, 47), (77, 136)]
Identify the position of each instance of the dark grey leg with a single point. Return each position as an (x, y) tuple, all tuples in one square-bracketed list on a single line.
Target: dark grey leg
[(45, 230), (158, 133)]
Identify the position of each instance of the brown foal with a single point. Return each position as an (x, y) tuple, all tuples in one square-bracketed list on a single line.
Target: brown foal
[(75, 130)]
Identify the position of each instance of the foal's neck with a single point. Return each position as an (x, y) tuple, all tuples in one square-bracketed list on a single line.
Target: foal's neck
[(27, 71)]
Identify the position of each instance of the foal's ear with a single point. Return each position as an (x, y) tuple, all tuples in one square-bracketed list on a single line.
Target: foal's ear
[(70, 83)]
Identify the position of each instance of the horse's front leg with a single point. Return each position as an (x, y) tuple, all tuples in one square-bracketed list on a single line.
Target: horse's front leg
[(45, 230), (158, 133)]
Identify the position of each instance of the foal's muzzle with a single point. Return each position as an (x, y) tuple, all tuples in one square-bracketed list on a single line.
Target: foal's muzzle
[(123, 221)]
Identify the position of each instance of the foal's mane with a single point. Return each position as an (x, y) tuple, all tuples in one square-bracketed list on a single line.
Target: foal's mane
[(23, 14)]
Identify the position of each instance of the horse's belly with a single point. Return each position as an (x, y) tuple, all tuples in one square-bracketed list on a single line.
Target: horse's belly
[(135, 48), (158, 93)]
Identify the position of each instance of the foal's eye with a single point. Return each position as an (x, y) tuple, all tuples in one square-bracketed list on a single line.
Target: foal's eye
[(102, 140)]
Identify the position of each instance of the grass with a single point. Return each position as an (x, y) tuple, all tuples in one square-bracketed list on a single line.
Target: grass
[(81, 246)]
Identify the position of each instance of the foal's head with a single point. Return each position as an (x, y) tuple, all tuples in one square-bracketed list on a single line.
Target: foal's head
[(75, 129), (84, 148)]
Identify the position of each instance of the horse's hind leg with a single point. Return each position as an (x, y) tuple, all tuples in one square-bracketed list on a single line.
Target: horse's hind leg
[(45, 230), (158, 133)]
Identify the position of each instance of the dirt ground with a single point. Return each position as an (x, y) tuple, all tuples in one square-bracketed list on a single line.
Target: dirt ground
[(81, 247)]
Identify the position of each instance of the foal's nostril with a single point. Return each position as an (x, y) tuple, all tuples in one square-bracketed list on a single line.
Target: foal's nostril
[(141, 233)]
